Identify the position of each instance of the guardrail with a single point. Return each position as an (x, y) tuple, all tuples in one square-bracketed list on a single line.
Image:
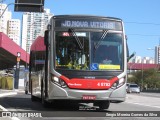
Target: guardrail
[(154, 90)]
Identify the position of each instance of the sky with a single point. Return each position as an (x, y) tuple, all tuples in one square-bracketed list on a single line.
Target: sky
[(141, 18)]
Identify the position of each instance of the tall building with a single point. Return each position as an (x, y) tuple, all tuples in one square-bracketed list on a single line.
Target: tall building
[(145, 60), (13, 30), (137, 59), (4, 18), (157, 54), (148, 60), (32, 25)]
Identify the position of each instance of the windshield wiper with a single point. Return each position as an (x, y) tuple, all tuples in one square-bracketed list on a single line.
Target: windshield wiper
[(72, 33), (105, 32)]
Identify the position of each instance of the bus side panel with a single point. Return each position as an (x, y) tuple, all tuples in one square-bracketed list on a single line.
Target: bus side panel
[(34, 77), (37, 66)]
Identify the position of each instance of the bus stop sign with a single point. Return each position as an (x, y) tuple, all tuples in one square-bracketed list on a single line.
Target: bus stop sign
[(29, 5)]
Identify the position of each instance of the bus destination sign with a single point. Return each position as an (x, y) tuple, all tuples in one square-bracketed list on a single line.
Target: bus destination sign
[(98, 24)]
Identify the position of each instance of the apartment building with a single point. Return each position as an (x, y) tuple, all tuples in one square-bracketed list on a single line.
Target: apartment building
[(13, 30), (4, 18), (32, 25)]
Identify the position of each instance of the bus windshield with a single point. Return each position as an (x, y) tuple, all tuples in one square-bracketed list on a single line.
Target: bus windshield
[(89, 51)]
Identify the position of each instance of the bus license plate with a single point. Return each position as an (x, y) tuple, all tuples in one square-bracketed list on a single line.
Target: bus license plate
[(88, 97)]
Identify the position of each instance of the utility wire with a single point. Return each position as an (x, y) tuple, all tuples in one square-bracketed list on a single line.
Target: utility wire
[(143, 35), (142, 23)]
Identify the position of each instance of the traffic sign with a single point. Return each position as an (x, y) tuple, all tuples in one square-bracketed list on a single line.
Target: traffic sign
[(29, 5)]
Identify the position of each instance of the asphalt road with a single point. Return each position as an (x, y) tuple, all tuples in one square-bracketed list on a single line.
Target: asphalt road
[(136, 107)]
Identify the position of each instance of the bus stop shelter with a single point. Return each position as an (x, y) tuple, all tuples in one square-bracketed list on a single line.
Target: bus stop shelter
[(8, 53)]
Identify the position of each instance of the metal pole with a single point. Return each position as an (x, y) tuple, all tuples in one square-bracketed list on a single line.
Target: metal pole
[(17, 76), (142, 77), (16, 82), (18, 4)]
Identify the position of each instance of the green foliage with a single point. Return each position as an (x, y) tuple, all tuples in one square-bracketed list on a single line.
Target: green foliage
[(149, 78)]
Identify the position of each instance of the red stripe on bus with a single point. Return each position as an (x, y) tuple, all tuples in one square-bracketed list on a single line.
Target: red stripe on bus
[(78, 83)]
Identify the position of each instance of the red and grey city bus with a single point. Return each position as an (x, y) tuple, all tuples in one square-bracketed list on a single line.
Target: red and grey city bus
[(80, 58)]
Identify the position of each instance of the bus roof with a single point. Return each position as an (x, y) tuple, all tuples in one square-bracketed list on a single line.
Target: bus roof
[(86, 16), (87, 22), (38, 44)]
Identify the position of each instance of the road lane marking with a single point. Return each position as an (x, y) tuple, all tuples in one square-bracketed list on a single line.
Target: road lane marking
[(144, 105), (4, 109)]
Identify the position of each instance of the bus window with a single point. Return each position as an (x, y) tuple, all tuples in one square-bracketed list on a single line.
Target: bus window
[(107, 53), (69, 55)]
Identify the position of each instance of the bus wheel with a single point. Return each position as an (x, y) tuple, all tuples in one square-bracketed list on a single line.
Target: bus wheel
[(33, 98), (26, 91), (44, 102), (103, 105)]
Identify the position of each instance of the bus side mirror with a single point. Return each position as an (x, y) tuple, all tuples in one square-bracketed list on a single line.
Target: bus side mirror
[(46, 37), (131, 56)]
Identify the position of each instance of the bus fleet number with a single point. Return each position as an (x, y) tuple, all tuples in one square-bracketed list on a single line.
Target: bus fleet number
[(103, 84)]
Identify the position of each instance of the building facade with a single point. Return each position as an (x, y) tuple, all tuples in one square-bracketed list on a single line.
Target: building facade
[(13, 30), (4, 18), (157, 54), (144, 60), (32, 26)]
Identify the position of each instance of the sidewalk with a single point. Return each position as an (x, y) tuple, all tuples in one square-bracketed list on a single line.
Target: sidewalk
[(4, 92)]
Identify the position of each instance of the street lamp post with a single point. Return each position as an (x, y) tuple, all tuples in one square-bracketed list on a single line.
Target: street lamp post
[(142, 70), (142, 77), (153, 57)]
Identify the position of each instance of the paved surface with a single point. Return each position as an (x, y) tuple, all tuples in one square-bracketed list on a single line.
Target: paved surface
[(150, 94), (134, 102), (4, 93)]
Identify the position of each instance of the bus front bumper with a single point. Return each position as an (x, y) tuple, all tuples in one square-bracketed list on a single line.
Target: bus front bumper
[(58, 93)]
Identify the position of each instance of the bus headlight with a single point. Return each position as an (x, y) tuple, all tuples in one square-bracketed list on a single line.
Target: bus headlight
[(55, 79), (118, 83), (59, 82)]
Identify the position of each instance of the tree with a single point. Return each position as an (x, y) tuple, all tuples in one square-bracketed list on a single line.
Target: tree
[(150, 78)]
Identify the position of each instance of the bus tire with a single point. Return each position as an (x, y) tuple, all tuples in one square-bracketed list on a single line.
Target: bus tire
[(44, 102), (26, 91), (33, 98), (104, 105)]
